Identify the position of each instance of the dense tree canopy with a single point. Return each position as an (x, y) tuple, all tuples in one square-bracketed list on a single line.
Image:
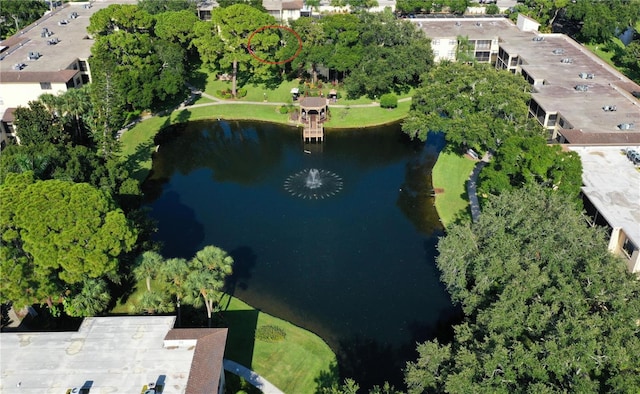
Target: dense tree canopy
[(601, 21), (548, 309), (57, 233), (474, 105), (16, 14), (395, 54), (223, 42), (523, 161)]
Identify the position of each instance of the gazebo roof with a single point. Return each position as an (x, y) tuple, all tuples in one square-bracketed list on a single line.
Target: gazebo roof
[(313, 102)]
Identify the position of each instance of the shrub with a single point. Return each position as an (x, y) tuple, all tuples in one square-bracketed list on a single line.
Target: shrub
[(492, 9), (283, 110), (389, 100), (241, 92), (270, 334)]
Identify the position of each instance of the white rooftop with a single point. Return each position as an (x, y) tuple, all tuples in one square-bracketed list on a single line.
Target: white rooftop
[(109, 354), (612, 184)]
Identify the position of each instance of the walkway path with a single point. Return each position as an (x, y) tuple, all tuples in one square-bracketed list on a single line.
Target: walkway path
[(471, 187), (251, 377), (218, 101)]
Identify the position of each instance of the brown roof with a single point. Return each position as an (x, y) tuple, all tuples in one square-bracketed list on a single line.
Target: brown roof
[(313, 102), (62, 76), (206, 366), (579, 137), (292, 5), (8, 115)]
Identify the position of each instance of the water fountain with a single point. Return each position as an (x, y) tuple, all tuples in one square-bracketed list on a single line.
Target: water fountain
[(313, 184)]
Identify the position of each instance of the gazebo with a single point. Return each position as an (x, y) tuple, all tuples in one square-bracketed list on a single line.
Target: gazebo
[(313, 112)]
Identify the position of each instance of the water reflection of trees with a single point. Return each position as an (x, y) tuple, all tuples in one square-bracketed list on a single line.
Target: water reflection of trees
[(416, 198), (235, 152)]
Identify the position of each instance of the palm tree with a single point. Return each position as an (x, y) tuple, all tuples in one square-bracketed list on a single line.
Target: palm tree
[(152, 302), (93, 299), (208, 271), (148, 266), (175, 272), (74, 104)]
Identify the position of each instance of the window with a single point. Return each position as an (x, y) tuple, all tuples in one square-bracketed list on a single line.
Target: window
[(453, 42), (45, 85), (483, 44), (451, 54), (436, 42), (436, 53)]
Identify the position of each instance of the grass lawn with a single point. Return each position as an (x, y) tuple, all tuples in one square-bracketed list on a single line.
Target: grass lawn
[(295, 365), (450, 173)]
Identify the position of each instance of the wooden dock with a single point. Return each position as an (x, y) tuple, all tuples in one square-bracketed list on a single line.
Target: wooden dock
[(313, 129)]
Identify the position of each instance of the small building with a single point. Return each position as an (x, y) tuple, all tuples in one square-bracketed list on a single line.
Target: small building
[(128, 354), (313, 113)]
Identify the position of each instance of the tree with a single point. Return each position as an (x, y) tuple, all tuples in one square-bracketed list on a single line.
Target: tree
[(547, 307), (75, 105), (16, 14), (175, 272), (227, 50), (127, 18), (148, 266), (176, 26), (389, 62), (598, 21), (35, 124), (522, 161), (90, 301), (454, 96), (313, 35), (152, 302), (207, 273), (160, 7), (58, 233)]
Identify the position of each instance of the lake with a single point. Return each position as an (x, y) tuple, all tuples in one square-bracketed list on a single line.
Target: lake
[(338, 237)]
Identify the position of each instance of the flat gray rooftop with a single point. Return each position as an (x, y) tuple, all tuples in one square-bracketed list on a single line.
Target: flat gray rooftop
[(583, 110), (73, 39), (116, 354), (612, 184)]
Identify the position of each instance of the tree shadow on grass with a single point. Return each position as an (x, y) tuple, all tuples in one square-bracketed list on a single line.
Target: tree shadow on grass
[(327, 378), (241, 337)]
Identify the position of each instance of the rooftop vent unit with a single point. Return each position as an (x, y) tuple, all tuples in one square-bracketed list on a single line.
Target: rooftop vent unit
[(587, 75), (566, 60), (558, 51), (73, 15), (458, 23), (53, 41), (63, 22), (46, 32), (34, 56), (19, 66), (87, 6), (582, 88), (625, 126), (609, 108), (537, 38), (478, 24)]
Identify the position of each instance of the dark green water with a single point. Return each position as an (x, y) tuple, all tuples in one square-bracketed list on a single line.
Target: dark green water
[(357, 268)]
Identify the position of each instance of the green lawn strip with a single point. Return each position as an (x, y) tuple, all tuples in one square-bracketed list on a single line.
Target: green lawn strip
[(449, 176), (366, 116), (293, 364)]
